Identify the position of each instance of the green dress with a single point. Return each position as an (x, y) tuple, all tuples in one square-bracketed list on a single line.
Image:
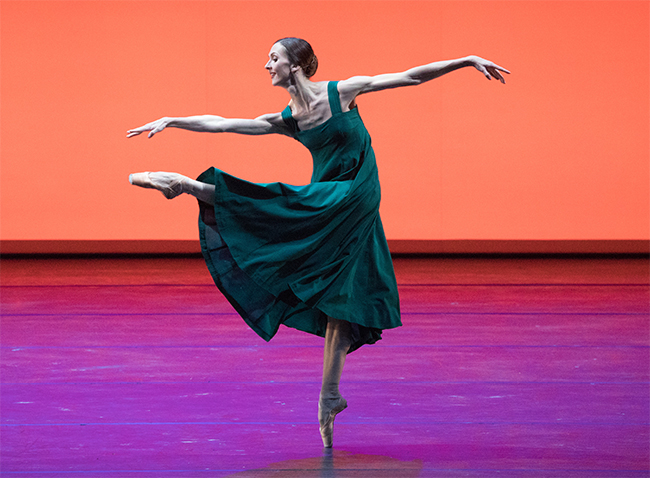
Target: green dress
[(294, 255)]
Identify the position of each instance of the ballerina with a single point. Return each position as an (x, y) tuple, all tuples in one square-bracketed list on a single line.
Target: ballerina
[(310, 257)]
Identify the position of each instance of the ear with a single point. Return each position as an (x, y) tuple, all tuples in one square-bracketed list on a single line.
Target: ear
[(295, 68)]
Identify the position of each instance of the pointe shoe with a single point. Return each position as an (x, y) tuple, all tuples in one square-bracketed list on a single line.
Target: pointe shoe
[(170, 184), (326, 417)]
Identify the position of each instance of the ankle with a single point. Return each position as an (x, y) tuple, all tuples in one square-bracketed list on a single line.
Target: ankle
[(201, 191), (329, 396)]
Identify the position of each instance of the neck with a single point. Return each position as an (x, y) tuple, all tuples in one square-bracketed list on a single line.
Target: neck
[(302, 91)]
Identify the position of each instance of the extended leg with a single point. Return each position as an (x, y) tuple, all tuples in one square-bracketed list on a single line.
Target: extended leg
[(174, 184), (337, 343)]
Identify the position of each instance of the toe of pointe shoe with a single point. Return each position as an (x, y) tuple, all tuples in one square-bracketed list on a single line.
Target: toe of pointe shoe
[(142, 180), (326, 433), (327, 440)]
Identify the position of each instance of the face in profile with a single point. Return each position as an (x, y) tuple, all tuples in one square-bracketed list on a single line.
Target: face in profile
[(279, 66)]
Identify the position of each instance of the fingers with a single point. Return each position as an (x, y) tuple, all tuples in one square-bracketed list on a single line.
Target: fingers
[(495, 72), (136, 131), (490, 70), (158, 129), (153, 128), (500, 68), (486, 72), (133, 132)]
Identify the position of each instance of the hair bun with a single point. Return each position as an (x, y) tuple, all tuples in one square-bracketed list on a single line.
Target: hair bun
[(311, 68), (301, 54)]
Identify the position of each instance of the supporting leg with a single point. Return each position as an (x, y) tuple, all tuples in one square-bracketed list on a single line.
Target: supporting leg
[(174, 184), (337, 343)]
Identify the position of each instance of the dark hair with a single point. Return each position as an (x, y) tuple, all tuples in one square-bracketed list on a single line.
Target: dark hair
[(301, 54)]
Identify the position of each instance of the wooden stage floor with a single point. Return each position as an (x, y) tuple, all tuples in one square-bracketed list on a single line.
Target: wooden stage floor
[(505, 367)]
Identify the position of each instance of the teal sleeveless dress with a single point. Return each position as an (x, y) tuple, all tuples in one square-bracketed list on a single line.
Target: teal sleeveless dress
[(295, 255)]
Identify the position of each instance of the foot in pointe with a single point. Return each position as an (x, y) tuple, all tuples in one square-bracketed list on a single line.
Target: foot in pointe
[(170, 184), (328, 408)]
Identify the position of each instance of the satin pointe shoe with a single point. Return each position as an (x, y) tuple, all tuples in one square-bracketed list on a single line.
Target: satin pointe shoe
[(170, 184), (327, 411)]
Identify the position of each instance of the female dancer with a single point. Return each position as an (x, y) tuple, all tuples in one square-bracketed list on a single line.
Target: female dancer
[(310, 257)]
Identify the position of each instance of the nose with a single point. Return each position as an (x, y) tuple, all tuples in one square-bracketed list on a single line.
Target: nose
[(268, 65)]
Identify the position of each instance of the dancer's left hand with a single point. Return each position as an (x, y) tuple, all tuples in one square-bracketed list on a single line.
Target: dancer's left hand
[(489, 69)]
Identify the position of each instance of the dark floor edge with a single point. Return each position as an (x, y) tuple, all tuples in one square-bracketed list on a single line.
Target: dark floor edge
[(398, 247)]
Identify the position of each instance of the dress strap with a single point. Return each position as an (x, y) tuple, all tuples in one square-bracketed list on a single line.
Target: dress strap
[(287, 117), (333, 95)]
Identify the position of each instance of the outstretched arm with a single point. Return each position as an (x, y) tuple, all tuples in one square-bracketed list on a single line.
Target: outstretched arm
[(265, 124), (358, 85)]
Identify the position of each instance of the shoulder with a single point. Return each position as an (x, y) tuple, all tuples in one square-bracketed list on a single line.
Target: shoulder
[(273, 119), (354, 85), (359, 85), (276, 122)]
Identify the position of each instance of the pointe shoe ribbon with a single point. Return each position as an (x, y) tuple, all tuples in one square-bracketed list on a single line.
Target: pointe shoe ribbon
[(326, 419), (170, 187)]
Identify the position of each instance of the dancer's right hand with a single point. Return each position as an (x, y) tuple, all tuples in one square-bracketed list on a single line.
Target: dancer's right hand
[(153, 128)]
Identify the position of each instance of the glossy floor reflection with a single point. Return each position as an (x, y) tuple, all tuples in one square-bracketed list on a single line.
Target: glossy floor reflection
[(338, 464)]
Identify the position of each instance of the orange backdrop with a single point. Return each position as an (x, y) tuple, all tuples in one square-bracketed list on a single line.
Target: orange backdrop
[(560, 152)]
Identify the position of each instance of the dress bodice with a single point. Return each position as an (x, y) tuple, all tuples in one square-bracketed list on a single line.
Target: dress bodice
[(337, 145)]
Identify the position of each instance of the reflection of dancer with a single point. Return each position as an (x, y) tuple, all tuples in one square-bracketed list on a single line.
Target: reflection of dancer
[(311, 257)]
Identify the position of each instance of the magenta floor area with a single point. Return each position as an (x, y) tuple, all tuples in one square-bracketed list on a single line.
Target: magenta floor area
[(505, 367)]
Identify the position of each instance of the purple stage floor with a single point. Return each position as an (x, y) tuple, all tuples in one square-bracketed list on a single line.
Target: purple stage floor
[(505, 367)]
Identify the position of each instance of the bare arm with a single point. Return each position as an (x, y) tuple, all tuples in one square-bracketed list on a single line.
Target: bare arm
[(265, 124), (358, 85)]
